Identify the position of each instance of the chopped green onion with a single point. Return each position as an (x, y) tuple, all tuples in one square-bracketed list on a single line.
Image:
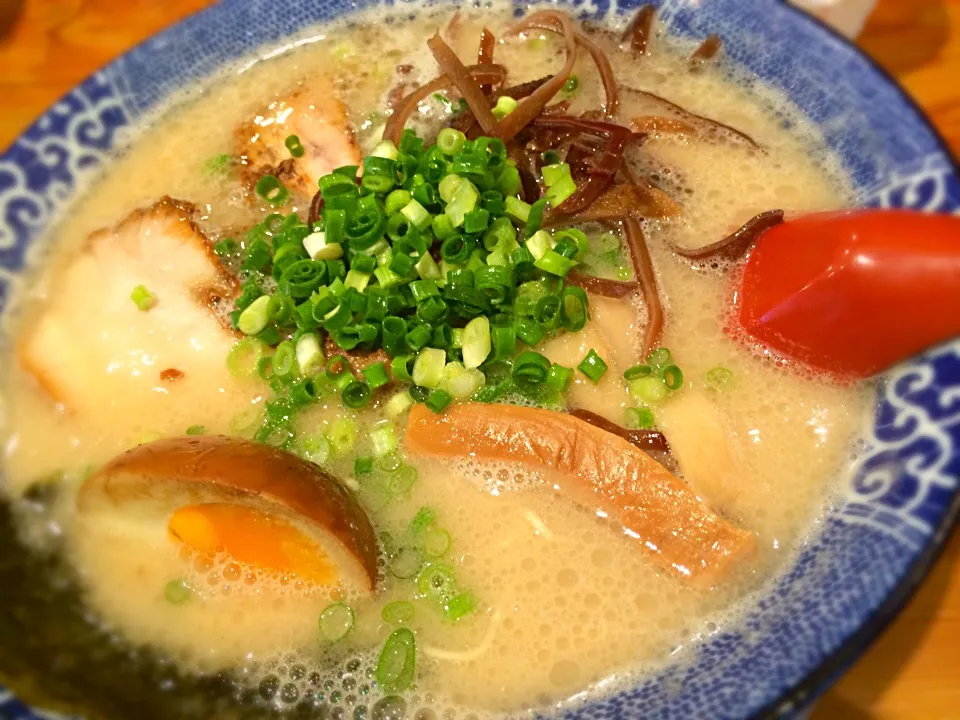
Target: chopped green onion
[(464, 200), (226, 247), (559, 378), (503, 336), (560, 184), (384, 441), (539, 244), (593, 366), (574, 312), (385, 149), (448, 187), (673, 377), (438, 400), (362, 466), (390, 462), (517, 209), (649, 390), (416, 214), (639, 418), (342, 436), (436, 542), (404, 480), (376, 375), (309, 355), (571, 85), (218, 164), (396, 201), (245, 355), (176, 592), (305, 391), (398, 404), (338, 367), (357, 280), (450, 141), (406, 563), (401, 367), (659, 358), (255, 317), (294, 145), (436, 581), (505, 105), (396, 665), (442, 226), (316, 449), (459, 381), (284, 359), (427, 268), (458, 606), (555, 263), (272, 190), (280, 308), (548, 311), (530, 368), (419, 336), (397, 612), (719, 378), (428, 369), (420, 522), (387, 277), (196, 430), (356, 395), (535, 217), (637, 371), (143, 298), (336, 622)]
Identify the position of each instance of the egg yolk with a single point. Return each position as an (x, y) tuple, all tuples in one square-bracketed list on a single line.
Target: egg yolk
[(253, 538)]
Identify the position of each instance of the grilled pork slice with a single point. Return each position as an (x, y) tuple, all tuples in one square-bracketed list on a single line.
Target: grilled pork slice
[(94, 350), (318, 119)]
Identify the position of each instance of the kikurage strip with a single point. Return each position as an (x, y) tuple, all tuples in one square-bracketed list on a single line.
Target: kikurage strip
[(736, 244)]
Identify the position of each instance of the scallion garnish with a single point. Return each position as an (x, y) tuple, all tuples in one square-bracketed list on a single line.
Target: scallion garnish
[(363, 466), (719, 378), (356, 395), (336, 622), (177, 592), (659, 358), (272, 190), (419, 253), (397, 612), (396, 665), (142, 298), (593, 366), (637, 371), (649, 390), (673, 377), (293, 144)]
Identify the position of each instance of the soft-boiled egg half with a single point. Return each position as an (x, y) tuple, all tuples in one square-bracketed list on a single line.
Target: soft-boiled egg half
[(255, 542)]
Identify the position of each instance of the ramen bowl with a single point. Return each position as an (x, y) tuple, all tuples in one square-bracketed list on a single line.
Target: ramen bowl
[(900, 498)]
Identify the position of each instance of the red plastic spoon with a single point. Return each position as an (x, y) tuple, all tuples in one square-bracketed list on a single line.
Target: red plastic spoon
[(852, 293)]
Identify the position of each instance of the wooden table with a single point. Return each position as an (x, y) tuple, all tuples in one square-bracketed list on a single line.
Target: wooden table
[(912, 671)]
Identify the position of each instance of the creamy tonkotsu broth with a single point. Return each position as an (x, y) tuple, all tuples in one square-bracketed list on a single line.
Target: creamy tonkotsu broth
[(553, 600)]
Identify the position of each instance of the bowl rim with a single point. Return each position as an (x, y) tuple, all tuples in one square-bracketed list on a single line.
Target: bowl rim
[(802, 695)]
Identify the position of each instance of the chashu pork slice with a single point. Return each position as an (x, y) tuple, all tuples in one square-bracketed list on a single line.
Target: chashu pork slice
[(95, 352), (318, 118)]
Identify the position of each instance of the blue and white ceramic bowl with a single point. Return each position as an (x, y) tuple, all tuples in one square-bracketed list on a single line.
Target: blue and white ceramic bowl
[(902, 496)]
